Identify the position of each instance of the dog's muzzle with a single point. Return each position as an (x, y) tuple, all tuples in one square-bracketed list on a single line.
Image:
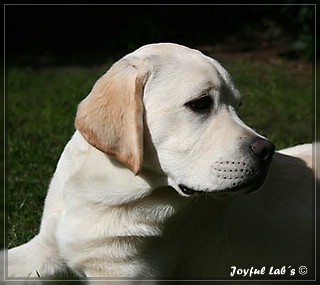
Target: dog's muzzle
[(250, 178)]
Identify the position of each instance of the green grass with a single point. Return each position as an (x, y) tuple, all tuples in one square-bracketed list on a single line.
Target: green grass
[(276, 101), (41, 105)]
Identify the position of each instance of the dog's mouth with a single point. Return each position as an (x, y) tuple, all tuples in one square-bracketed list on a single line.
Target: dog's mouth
[(188, 191), (249, 184), (244, 188)]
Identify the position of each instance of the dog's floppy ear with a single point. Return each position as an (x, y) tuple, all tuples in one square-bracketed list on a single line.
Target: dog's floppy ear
[(111, 117)]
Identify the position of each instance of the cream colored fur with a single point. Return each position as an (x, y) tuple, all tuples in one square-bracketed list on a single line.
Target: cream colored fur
[(114, 207)]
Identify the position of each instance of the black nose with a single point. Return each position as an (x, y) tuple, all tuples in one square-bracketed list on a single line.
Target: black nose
[(263, 149)]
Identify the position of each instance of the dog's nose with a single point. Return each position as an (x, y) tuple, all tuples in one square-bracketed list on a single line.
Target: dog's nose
[(263, 149)]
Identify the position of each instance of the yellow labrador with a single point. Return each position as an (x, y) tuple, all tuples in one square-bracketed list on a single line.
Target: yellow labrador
[(155, 182)]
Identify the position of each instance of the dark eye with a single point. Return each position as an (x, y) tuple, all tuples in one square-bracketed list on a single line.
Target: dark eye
[(201, 105)]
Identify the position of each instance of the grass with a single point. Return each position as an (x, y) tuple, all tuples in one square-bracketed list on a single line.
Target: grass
[(41, 105), (277, 101)]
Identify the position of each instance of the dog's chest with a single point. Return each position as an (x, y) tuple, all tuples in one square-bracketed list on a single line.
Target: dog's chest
[(112, 242)]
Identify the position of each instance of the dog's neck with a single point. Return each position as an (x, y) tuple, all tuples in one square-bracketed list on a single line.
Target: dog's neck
[(124, 207), (106, 184)]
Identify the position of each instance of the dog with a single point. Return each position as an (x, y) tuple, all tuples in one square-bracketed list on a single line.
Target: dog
[(162, 179)]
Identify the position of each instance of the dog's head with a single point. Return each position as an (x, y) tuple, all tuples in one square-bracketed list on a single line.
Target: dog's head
[(173, 110)]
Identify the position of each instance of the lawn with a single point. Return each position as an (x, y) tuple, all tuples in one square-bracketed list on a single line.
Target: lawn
[(41, 104)]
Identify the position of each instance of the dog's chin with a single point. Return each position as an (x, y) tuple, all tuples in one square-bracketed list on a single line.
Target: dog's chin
[(250, 185)]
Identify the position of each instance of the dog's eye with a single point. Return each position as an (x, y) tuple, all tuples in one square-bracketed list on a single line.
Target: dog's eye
[(201, 105)]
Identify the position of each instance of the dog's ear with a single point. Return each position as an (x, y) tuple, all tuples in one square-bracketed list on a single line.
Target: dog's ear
[(111, 117)]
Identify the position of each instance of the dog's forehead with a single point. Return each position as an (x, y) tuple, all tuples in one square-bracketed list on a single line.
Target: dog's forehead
[(177, 63), (177, 55), (178, 69), (185, 61)]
